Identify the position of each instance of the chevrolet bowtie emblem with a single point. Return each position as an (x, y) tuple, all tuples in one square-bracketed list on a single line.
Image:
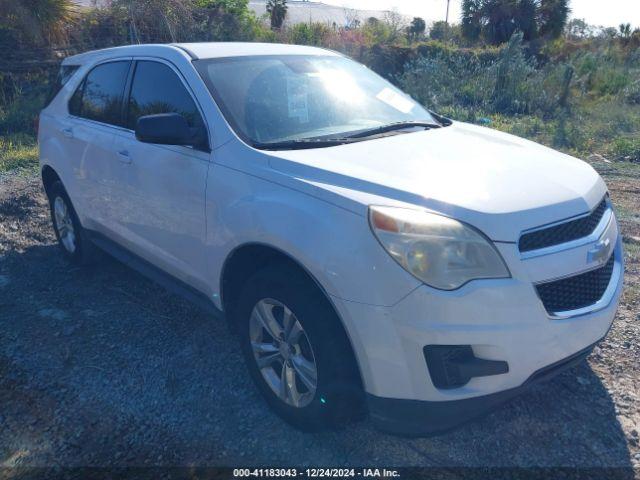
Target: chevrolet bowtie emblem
[(600, 252)]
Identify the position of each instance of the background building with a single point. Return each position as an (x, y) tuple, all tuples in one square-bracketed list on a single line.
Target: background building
[(305, 11)]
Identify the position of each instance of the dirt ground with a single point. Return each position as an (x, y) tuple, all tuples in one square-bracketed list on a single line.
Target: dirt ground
[(100, 367)]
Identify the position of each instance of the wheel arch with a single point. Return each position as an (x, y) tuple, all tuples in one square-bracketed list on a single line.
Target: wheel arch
[(49, 177), (246, 259)]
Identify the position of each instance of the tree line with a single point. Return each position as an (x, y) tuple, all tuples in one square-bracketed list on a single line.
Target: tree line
[(36, 34)]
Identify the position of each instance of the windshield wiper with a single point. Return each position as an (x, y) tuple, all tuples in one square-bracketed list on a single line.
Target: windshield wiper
[(392, 127), (321, 142), (443, 121), (304, 143)]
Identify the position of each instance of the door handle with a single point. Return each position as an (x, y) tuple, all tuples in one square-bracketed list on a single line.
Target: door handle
[(124, 156), (67, 132)]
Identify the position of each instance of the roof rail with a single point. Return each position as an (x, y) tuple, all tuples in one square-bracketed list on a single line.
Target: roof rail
[(186, 50)]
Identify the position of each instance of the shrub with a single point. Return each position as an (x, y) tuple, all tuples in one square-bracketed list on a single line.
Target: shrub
[(610, 80), (631, 93), (513, 92), (313, 33), (503, 81), (623, 148), (19, 116)]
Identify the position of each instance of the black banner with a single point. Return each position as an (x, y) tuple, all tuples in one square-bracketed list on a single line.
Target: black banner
[(205, 473)]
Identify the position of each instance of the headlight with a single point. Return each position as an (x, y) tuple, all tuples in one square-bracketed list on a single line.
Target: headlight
[(439, 251)]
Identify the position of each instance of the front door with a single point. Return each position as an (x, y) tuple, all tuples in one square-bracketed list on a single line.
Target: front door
[(162, 188)]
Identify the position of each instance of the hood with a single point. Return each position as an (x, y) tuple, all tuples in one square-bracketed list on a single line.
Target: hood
[(497, 182)]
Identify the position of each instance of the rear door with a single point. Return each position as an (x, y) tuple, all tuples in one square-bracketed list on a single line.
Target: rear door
[(95, 114), (162, 187)]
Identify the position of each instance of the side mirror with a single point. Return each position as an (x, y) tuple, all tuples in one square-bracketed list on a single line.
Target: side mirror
[(169, 129)]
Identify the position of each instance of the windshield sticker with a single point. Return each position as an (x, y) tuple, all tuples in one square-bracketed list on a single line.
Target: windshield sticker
[(298, 98), (395, 100)]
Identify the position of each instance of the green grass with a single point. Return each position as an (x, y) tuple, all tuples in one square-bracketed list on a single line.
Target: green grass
[(18, 152), (618, 170), (626, 214)]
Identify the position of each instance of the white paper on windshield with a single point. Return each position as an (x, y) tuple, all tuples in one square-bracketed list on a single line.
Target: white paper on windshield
[(395, 100), (298, 98)]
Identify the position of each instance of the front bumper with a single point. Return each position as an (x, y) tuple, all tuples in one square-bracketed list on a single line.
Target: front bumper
[(423, 418), (502, 320)]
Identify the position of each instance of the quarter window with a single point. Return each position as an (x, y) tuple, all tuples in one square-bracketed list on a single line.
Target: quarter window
[(157, 89), (99, 97), (64, 74)]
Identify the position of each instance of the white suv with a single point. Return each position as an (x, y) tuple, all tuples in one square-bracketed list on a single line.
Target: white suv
[(369, 253)]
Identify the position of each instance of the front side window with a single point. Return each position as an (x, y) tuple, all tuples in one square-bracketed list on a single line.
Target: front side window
[(99, 97), (295, 98), (157, 89)]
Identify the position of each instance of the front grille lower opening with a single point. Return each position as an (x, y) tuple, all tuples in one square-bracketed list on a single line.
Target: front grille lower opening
[(576, 292)]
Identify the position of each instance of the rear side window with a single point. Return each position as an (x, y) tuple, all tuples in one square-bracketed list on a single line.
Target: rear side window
[(64, 74), (157, 89), (99, 97)]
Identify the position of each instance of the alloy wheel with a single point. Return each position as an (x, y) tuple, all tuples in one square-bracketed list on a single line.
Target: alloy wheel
[(64, 224), (283, 352)]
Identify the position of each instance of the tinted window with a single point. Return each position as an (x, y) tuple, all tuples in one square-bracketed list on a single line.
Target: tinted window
[(75, 103), (99, 97), (64, 74), (157, 89)]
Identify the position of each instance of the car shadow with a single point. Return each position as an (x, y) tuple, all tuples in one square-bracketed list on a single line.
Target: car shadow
[(101, 367)]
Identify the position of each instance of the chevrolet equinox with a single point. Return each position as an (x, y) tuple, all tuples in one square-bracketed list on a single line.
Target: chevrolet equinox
[(372, 256)]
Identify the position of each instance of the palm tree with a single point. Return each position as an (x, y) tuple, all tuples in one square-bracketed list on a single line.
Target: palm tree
[(498, 20), (625, 30), (38, 21), (472, 18), (277, 10), (416, 29), (552, 17)]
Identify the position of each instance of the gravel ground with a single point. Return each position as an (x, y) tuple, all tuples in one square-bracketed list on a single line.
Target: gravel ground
[(100, 367)]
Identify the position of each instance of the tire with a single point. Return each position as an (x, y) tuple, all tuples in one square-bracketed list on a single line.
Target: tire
[(337, 397), (72, 238)]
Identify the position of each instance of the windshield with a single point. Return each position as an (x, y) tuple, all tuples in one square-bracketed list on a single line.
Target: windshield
[(275, 99)]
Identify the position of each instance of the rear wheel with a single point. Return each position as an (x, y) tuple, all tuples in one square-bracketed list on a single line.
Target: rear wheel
[(296, 350), (71, 237)]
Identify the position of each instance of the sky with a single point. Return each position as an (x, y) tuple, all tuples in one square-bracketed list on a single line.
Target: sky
[(596, 12)]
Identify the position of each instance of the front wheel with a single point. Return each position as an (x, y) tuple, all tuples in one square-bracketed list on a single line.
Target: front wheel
[(296, 350)]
